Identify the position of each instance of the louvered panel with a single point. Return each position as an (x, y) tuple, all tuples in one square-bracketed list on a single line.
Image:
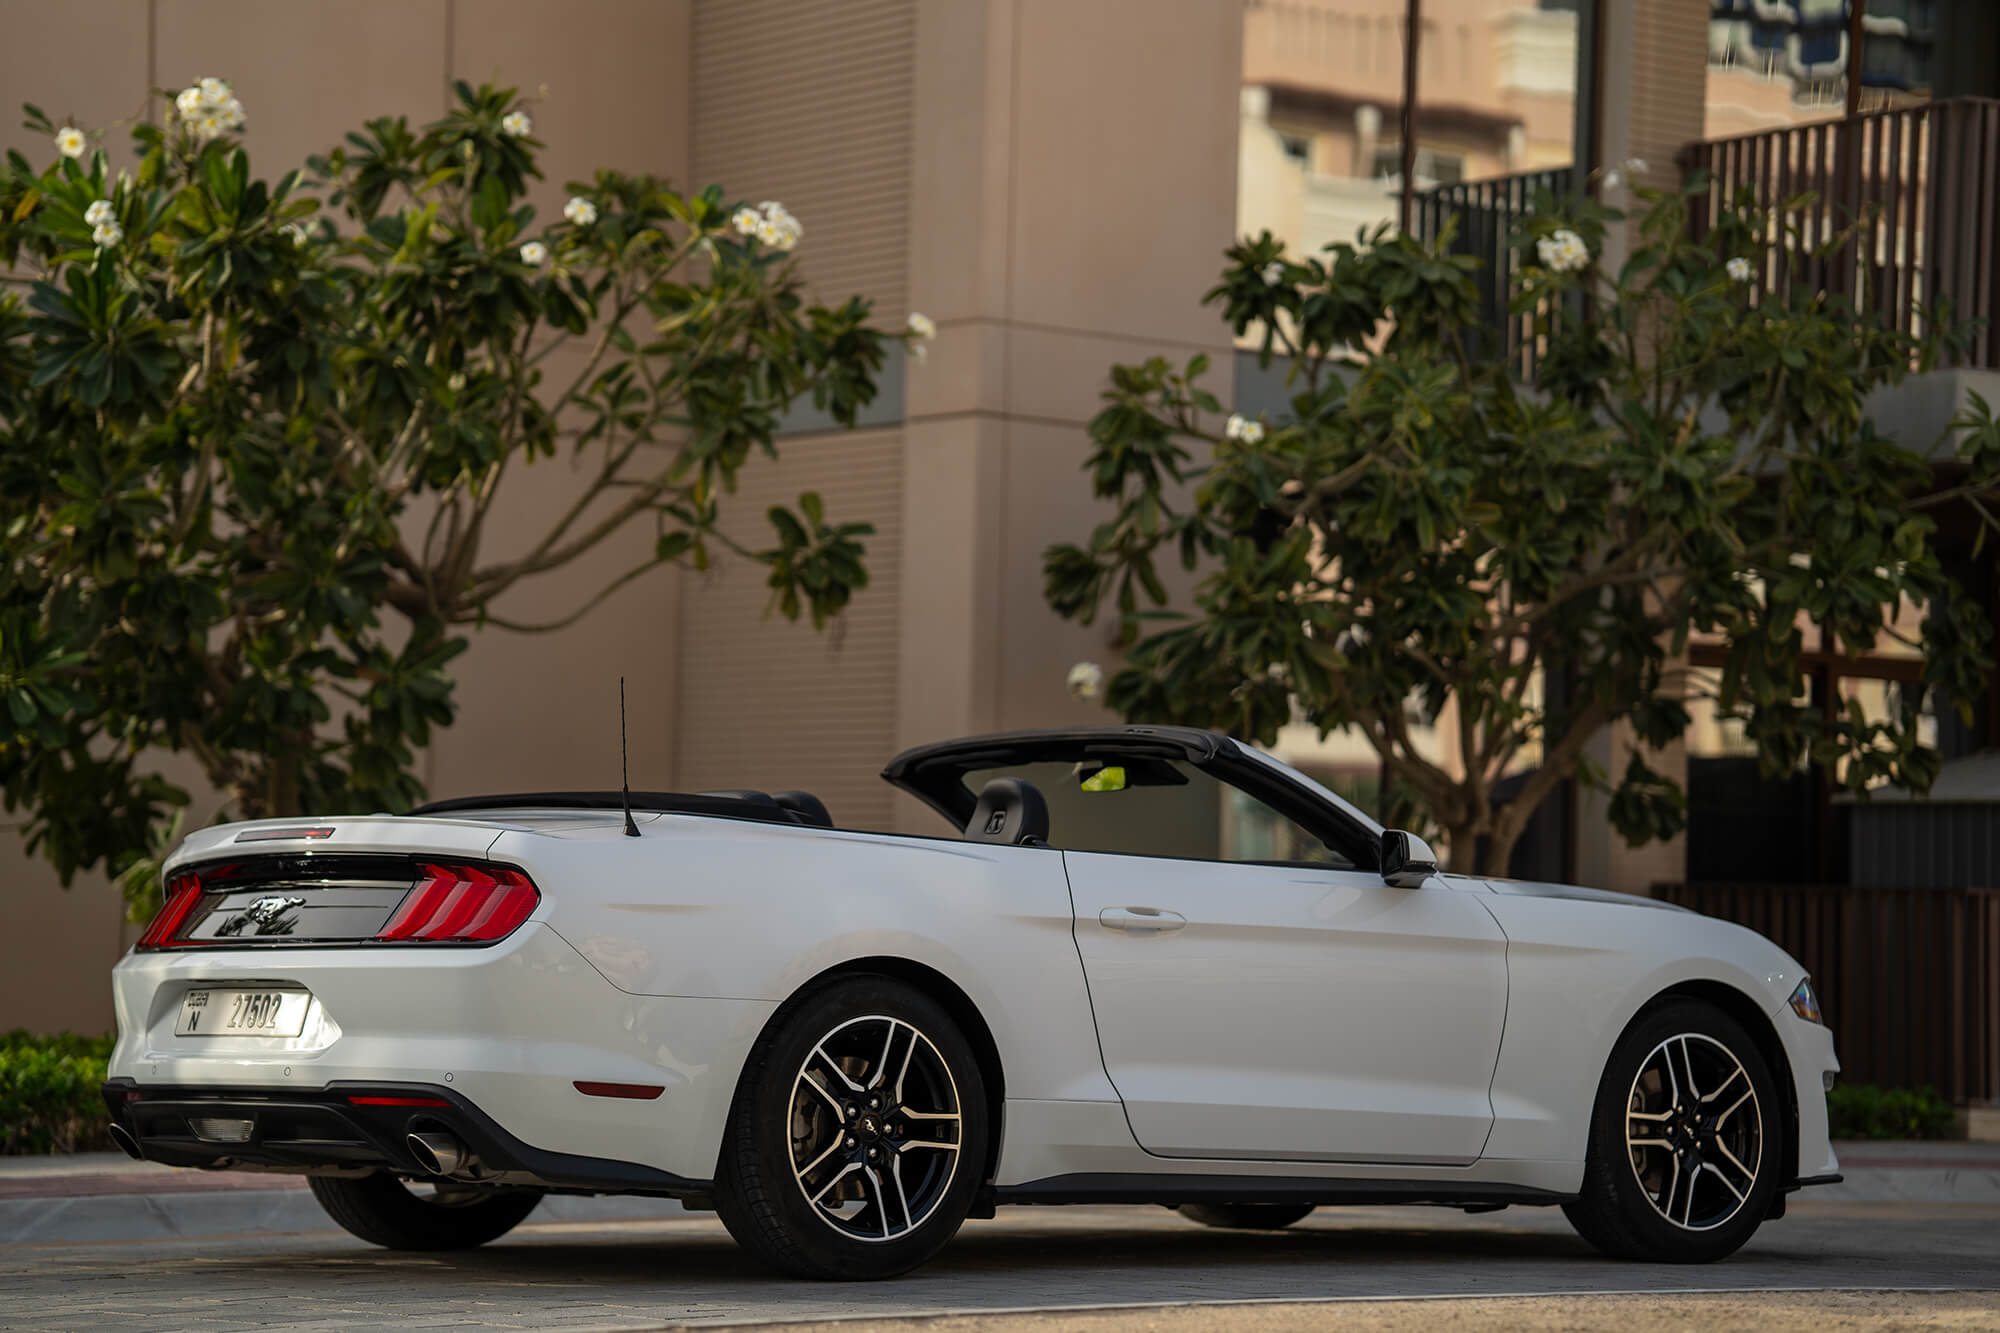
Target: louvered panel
[(809, 104), (768, 703)]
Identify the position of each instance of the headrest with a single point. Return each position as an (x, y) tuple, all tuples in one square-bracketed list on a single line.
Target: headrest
[(1009, 811), (806, 808)]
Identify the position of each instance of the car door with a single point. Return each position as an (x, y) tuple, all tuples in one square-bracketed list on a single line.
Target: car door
[(1291, 1012)]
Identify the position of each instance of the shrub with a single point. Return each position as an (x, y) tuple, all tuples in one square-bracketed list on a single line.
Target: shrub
[(1864, 1111), (49, 1092)]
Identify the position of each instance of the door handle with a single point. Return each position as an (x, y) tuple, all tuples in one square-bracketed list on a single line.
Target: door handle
[(1140, 920)]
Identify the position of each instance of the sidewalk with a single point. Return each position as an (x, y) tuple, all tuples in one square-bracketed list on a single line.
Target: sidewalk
[(94, 1197)]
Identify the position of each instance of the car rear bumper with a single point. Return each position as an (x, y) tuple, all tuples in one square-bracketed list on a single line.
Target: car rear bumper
[(353, 1126), (510, 1029)]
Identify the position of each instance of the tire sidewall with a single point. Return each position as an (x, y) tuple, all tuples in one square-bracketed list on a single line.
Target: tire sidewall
[(763, 1114), (1651, 1236)]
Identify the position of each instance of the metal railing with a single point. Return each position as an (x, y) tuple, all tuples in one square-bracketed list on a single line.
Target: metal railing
[(1923, 182), (1486, 213), (1909, 978)]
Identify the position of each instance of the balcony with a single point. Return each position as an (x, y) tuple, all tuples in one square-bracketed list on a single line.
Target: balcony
[(1923, 182)]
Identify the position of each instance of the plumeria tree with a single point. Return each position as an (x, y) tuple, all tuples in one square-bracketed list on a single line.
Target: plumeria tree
[(254, 434), (1424, 531)]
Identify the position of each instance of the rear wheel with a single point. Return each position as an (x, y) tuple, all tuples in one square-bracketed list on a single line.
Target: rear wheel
[(1686, 1141), (1245, 1216), (858, 1135), (382, 1210)]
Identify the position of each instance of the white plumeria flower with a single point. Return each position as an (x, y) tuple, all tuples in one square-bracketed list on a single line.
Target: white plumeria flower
[(922, 325), (298, 233), (1274, 273), (746, 220), (516, 125), (70, 141), (213, 92), (1086, 680), (580, 210), (107, 234), (771, 223), (99, 213), (1562, 251), (188, 103), (1613, 179), (456, 382), (1739, 269), (1635, 166), (534, 254), (1244, 429)]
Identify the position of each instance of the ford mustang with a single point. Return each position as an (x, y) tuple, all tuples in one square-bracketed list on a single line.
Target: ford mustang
[(1134, 965)]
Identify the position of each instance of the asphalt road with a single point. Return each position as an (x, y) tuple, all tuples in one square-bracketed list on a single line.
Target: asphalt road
[(667, 1273)]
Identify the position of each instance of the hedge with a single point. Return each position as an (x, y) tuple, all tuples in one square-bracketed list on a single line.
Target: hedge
[(1864, 1111), (49, 1093)]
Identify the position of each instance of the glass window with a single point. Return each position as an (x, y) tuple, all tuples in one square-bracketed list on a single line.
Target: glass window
[(1159, 807)]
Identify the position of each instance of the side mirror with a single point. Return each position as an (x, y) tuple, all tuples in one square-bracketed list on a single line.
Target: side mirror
[(1407, 860)]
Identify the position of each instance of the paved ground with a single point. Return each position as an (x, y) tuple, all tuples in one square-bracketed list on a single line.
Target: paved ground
[(212, 1258)]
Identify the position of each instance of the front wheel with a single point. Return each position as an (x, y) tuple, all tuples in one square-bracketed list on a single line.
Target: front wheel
[(382, 1210), (1686, 1141), (858, 1136)]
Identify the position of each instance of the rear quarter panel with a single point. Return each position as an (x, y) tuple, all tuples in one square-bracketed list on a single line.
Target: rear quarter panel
[(720, 909)]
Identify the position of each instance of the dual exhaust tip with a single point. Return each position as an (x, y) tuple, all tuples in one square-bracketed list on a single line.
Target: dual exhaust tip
[(439, 1154)]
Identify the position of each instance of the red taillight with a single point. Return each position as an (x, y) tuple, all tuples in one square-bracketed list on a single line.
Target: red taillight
[(463, 903), (398, 1101), (183, 892)]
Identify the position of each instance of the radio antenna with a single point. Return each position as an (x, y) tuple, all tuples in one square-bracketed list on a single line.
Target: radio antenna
[(624, 765)]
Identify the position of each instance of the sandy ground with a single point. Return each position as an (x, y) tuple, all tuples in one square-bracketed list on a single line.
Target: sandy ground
[(1759, 1312)]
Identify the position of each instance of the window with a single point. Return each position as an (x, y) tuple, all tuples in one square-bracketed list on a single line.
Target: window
[(1432, 165), (1164, 808)]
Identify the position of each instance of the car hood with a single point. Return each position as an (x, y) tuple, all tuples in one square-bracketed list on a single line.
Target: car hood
[(1523, 888)]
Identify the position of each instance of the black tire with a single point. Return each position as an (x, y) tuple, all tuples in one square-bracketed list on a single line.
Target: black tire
[(382, 1210), (778, 1128), (1245, 1216), (1700, 1172)]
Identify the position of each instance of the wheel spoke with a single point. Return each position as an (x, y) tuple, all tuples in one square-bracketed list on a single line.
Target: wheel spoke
[(811, 1166), (838, 1072), (882, 1065), (902, 1195), (1723, 1086), (908, 1114), (1723, 1119), (1631, 1142), (909, 1053), (876, 1199), (839, 1111), (1687, 1067), (912, 1145), (1687, 1209), (838, 1176), (1749, 1176), (1649, 1115)]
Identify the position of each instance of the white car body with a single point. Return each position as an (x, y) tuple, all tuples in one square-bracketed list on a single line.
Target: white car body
[(1316, 1030)]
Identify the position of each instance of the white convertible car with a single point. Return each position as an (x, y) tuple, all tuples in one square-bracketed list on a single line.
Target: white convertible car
[(1141, 965)]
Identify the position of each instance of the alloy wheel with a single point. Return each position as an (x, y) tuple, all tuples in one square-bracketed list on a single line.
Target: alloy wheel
[(876, 1128), (1694, 1131)]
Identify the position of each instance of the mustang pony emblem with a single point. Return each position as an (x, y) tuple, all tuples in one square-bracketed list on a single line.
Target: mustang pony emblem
[(266, 910)]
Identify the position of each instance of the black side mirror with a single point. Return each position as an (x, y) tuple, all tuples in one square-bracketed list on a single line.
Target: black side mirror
[(1407, 860)]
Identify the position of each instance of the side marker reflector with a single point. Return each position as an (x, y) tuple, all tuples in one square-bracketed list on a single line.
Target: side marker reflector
[(638, 1092), (397, 1101)]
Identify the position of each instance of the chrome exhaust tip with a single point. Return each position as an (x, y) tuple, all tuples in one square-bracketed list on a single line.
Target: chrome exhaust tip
[(126, 1143), (439, 1154)]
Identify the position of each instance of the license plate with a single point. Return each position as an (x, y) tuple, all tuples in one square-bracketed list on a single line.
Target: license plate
[(243, 1013)]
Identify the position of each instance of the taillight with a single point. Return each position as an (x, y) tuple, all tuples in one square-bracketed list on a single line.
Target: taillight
[(462, 902), (183, 892)]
